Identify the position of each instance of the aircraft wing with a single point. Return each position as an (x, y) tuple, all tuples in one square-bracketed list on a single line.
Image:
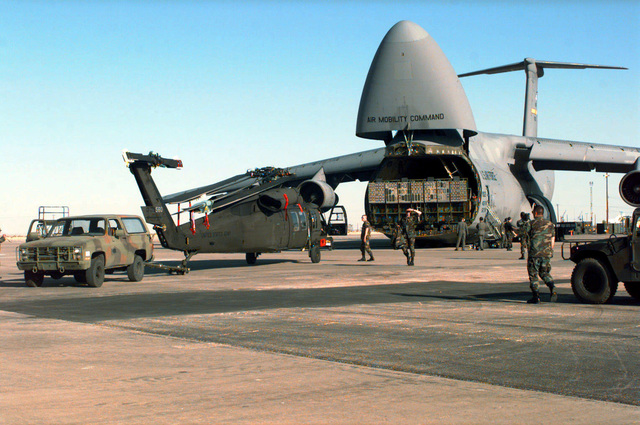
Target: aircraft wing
[(548, 154), (340, 169)]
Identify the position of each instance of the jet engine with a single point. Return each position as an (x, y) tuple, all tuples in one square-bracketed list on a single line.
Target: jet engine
[(630, 188), (277, 200), (549, 212), (318, 193)]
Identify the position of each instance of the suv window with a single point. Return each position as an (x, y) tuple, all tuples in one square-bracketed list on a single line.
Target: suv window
[(78, 227), (134, 225)]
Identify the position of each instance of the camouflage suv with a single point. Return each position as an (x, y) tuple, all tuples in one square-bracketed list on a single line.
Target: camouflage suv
[(87, 247)]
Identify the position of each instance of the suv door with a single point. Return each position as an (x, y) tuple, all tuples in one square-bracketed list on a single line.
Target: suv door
[(117, 248), (138, 238)]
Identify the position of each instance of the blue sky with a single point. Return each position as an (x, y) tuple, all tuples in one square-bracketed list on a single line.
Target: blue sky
[(229, 86)]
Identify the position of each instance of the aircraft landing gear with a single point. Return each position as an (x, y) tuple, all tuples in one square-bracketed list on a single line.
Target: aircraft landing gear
[(183, 269), (252, 257), (314, 253)]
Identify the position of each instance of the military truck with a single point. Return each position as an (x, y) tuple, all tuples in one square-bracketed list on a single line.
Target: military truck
[(601, 264), (87, 247)]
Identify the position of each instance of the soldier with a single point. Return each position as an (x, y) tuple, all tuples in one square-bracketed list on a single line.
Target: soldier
[(409, 230), (365, 235), (508, 234), (2, 239), (483, 229), (398, 240), (462, 234), (524, 241), (541, 234)]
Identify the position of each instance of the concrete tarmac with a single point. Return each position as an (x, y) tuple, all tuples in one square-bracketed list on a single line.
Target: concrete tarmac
[(450, 340)]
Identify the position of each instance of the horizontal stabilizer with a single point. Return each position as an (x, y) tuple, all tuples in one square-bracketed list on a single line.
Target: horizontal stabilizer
[(520, 66)]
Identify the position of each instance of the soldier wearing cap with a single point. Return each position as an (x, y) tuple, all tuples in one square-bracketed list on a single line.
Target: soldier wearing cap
[(508, 234), (524, 241), (408, 226), (541, 236)]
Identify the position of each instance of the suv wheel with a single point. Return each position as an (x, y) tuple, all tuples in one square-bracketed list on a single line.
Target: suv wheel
[(136, 270), (32, 279), (592, 282), (95, 273)]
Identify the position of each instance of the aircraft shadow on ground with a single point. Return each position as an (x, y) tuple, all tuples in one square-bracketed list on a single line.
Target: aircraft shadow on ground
[(146, 305)]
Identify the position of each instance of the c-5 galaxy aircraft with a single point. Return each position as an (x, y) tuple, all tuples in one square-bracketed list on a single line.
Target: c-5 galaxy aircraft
[(434, 158)]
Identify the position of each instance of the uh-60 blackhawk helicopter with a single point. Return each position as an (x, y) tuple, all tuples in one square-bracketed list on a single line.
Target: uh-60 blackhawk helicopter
[(252, 213)]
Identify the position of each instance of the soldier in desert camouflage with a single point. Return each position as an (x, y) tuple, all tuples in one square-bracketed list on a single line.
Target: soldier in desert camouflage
[(524, 242), (408, 225), (365, 236), (541, 236)]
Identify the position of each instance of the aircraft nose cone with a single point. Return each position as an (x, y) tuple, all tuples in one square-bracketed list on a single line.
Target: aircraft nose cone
[(405, 32), (411, 86)]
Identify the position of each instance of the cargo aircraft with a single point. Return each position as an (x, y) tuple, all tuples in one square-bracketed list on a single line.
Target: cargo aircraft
[(433, 159)]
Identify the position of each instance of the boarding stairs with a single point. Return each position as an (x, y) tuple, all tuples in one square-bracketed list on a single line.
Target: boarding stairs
[(494, 222)]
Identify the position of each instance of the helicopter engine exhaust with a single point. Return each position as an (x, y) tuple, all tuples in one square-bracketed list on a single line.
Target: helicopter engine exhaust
[(318, 193), (277, 200)]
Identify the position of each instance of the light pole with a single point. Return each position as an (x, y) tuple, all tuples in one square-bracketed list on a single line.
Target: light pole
[(606, 179), (591, 203)]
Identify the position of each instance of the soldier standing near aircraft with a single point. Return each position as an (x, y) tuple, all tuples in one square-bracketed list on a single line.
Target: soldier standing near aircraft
[(462, 234), (541, 233), (2, 239), (524, 240), (508, 234), (365, 235), (409, 230), (483, 229)]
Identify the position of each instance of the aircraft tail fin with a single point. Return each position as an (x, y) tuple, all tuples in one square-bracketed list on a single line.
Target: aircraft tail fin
[(155, 210), (534, 69)]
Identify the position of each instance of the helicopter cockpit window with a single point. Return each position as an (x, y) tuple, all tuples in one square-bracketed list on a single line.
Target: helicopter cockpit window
[(303, 220), (295, 222)]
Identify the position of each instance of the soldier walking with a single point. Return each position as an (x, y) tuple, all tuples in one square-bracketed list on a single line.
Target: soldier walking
[(365, 235), (408, 226), (462, 234), (541, 233), (524, 238), (483, 230), (508, 234)]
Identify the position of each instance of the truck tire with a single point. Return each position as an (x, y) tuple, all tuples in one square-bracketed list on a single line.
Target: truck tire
[(592, 282), (633, 289), (80, 277), (56, 275), (314, 254), (135, 271), (33, 280), (95, 273)]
